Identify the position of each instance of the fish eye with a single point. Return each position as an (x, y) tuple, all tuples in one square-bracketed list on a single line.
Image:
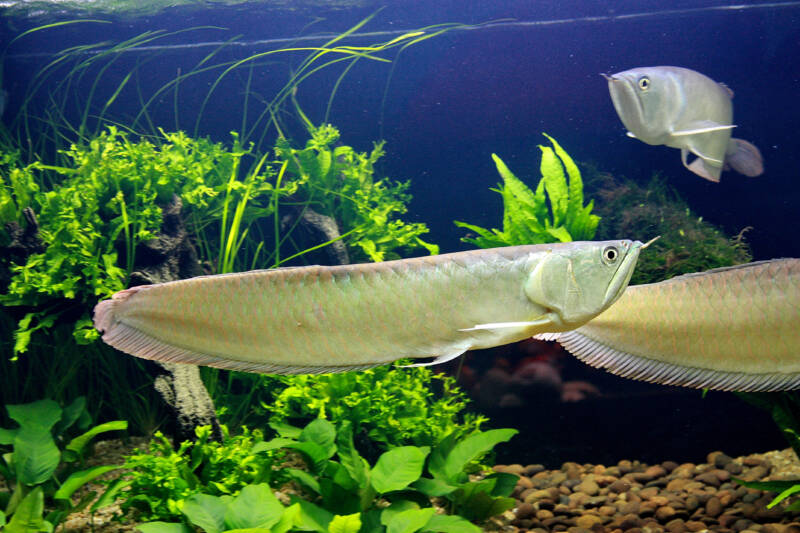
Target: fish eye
[(644, 83), (610, 254)]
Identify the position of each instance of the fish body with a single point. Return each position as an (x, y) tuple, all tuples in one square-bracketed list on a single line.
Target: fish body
[(687, 110), (326, 319), (735, 328)]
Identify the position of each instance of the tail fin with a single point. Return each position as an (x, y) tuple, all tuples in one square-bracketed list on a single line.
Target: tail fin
[(744, 158)]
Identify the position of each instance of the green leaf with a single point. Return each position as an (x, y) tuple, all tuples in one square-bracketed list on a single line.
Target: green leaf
[(303, 478), (70, 415), (288, 519), (41, 413), (27, 518), (7, 436), (409, 521), (109, 496), (322, 433), (76, 445), (505, 483), (206, 512), (2, 518), (78, 479), (473, 447), (312, 517), (398, 468), (163, 527), (36, 455), (433, 488), (345, 523), (255, 507), (450, 524), (356, 466)]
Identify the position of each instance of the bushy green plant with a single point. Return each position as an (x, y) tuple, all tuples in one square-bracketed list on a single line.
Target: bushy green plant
[(342, 491), (338, 181), (106, 203), (161, 479), (43, 464), (385, 406), (687, 243), (554, 213)]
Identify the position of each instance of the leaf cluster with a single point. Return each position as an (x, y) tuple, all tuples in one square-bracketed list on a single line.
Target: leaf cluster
[(385, 407), (43, 465), (553, 213), (106, 202), (162, 478), (339, 181), (341, 491)]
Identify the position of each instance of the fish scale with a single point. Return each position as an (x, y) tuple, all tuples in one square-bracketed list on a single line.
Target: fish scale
[(322, 319), (735, 328)]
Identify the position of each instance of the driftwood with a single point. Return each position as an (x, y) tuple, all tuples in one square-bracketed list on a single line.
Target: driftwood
[(168, 257)]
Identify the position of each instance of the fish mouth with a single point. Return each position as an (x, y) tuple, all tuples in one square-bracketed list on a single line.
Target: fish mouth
[(626, 102), (624, 272)]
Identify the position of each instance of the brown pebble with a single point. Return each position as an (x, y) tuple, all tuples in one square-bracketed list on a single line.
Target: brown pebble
[(588, 521), (625, 466), (544, 514), (708, 478), (648, 493), (607, 510), (676, 485), (665, 513), (734, 468), (524, 483), (629, 521), (659, 501), (533, 469), (695, 525), (755, 474), (629, 508), (619, 486), (669, 466), (713, 507), (525, 510), (588, 486)]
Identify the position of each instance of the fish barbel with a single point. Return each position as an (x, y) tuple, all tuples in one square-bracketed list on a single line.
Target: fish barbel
[(735, 328), (338, 318)]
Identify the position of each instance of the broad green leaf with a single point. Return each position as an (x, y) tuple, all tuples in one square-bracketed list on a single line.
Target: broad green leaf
[(304, 478), (560, 233), (70, 415), (473, 447), (482, 505), (433, 487), (288, 519), (322, 433), (41, 413), (438, 459), (440, 523), (78, 479), (27, 518), (355, 465), (163, 527), (36, 455), (2, 518), (312, 517), (255, 507), (7, 436), (398, 467), (505, 483), (396, 508), (274, 444), (345, 523), (77, 444), (409, 521), (206, 512)]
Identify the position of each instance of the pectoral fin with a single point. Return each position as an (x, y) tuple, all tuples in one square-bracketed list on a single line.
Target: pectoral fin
[(504, 325), (438, 360), (704, 126)]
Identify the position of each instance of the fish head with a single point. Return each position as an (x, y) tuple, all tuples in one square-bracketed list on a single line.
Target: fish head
[(647, 100), (574, 282)]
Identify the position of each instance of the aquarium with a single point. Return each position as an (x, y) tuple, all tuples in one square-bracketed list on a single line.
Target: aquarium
[(351, 266)]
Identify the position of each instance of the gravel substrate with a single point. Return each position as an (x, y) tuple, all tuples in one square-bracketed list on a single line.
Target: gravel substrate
[(635, 497)]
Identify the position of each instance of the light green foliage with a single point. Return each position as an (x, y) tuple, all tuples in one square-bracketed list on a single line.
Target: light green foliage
[(687, 243), (163, 478), (553, 213), (340, 182), (784, 488), (342, 492), (385, 406), (17, 187), (43, 464), (106, 202)]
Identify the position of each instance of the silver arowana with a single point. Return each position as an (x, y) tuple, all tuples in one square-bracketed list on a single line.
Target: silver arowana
[(735, 328), (328, 319), (683, 109)]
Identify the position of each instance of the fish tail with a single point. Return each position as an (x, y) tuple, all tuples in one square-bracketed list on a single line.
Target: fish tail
[(744, 158)]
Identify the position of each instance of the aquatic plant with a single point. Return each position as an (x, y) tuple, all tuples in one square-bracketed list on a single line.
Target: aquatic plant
[(553, 213), (43, 464), (160, 479), (339, 182), (687, 243), (342, 491), (385, 407)]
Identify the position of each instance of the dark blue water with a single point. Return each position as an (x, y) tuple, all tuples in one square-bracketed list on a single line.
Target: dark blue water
[(457, 98)]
